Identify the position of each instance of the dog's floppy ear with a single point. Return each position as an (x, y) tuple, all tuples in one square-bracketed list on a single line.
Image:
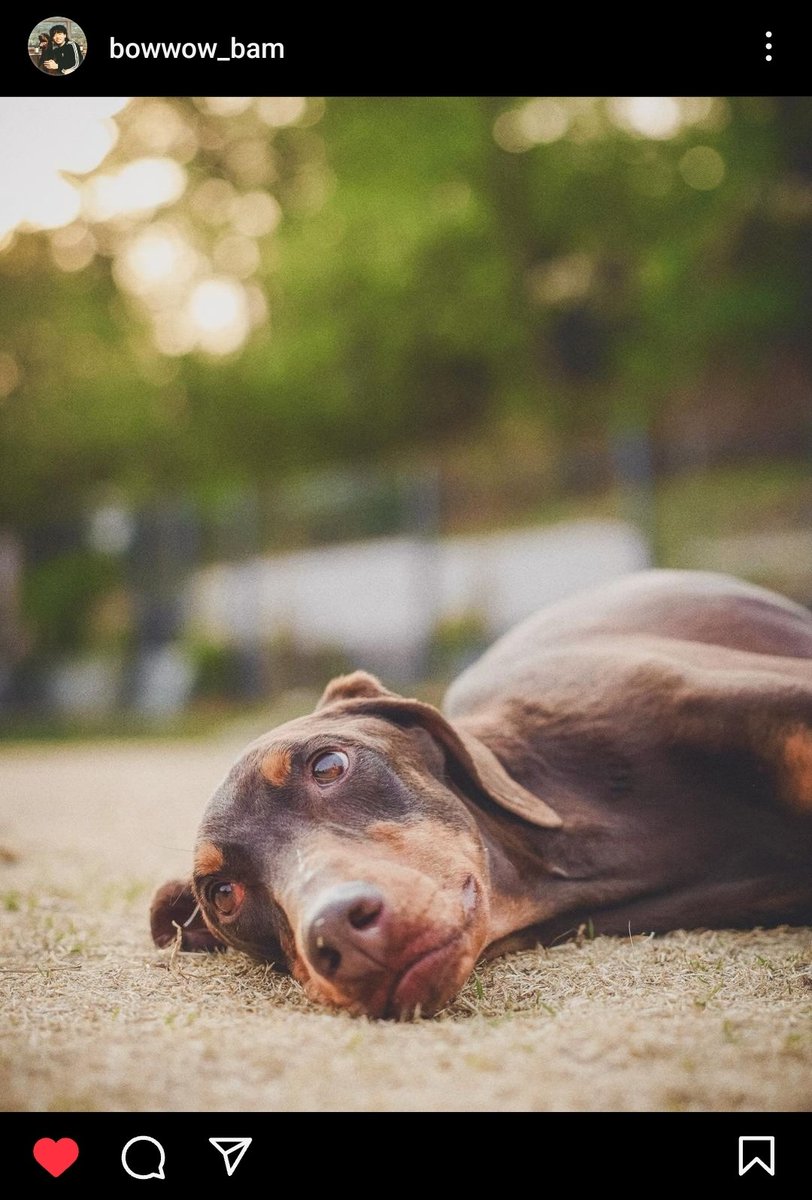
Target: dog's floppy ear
[(501, 787), (174, 905), (359, 685), (467, 756)]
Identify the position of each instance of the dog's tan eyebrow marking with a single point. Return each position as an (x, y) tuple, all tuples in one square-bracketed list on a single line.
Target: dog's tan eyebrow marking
[(208, 859), (275, 767)]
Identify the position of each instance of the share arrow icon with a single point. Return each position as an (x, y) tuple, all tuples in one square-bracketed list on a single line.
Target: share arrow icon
[(232, 1150)]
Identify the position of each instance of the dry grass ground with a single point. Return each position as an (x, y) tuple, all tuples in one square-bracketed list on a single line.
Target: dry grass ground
[(95, 1018)]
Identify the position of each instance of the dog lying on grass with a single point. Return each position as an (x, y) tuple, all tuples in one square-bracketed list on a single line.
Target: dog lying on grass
[(637, 758)]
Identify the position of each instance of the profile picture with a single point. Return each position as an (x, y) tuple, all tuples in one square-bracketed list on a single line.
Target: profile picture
[(57, 46)]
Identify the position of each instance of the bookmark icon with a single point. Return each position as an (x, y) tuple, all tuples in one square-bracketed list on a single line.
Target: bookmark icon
[(763, 1145), (232, 1150)]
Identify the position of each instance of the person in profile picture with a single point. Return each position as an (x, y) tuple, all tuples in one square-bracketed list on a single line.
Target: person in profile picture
[(63, 55)]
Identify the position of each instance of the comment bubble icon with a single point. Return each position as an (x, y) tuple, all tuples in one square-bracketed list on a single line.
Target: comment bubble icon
[(158, 1159)]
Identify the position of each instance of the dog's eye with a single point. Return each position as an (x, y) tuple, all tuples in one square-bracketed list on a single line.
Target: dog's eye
[(227, 897), (330, 766)]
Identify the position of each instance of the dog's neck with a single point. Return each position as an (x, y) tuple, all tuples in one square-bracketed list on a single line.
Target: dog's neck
[(523, 875), (540, 878), (547, 880)]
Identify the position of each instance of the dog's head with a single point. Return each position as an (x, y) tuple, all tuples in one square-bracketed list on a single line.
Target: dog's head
[(345, 847)]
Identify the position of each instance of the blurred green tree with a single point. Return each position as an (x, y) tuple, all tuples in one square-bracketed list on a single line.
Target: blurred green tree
[(308, 283)]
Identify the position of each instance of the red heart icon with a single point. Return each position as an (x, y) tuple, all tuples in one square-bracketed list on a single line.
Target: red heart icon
[(56, 1157)]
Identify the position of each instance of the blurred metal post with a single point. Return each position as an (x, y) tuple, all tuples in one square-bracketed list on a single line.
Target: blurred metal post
[(634, 469), (240, 540), (425, 508), (163, 551), (11, 635)]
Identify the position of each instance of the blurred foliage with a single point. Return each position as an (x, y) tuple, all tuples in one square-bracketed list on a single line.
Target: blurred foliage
[(455, 643), (57, 595), (732, 500), (404, 274)]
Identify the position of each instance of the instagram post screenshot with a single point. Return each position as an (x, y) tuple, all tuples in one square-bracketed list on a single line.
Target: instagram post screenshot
[(405, 590)]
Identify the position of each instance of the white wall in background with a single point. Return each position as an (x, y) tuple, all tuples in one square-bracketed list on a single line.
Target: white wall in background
[(379, 600)]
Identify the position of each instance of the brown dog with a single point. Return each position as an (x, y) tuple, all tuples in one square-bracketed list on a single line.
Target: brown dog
[(639, 757)]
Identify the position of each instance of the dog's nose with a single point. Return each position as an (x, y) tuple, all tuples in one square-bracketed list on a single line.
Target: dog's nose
[(344, 935)]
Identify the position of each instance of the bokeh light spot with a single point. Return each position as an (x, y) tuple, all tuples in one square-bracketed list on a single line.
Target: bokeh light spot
[(9, 374), (702, 168), (657, 117), (139, 187), (281, 110), (40, 137), (255, 214), (219, 312)]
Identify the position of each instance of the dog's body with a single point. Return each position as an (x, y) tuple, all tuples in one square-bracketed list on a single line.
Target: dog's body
[(639, 758)]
